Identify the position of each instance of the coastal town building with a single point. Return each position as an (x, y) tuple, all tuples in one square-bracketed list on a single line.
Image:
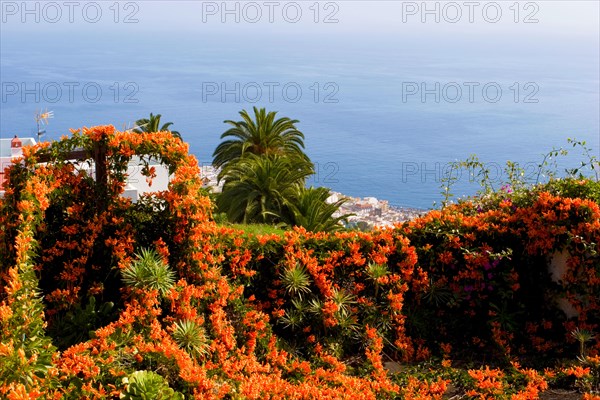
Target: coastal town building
[(370, 212), (10, 149), (137, 184), (210, 180)]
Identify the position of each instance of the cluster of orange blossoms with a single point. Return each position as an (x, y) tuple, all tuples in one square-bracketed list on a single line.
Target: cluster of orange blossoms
[(57, 239)]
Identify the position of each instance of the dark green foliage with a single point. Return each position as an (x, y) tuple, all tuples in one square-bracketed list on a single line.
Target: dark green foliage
[(264, 169), (259, 189), (309, 209), (78, 324)]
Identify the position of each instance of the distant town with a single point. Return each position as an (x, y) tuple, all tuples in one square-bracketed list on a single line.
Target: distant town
[(370, 212), (367, 212)]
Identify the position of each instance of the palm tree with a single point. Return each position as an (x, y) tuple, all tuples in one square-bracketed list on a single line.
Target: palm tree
[(260, 188), (152, 124), (264, 135), (311, 210)]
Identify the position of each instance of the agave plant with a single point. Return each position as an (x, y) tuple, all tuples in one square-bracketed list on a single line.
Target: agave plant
[(149, 272)]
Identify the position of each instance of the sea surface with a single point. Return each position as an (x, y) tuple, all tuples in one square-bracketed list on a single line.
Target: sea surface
[(367, 130)]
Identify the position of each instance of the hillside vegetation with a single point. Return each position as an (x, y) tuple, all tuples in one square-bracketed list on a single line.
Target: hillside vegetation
[(102, 298)]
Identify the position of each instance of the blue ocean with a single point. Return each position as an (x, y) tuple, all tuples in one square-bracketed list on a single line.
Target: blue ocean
[(383, 114)]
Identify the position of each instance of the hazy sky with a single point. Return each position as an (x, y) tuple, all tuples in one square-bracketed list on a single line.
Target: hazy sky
[(555, 17)]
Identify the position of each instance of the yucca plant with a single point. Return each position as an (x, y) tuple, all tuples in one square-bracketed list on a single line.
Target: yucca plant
[(149, 272), (294, 317), (342, 299), (191, 337), (375, 272), (582, 336), (315, 307), (296, 280)]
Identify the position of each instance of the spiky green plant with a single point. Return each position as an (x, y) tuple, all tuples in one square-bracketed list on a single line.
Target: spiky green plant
[(191, 337), (258, 189), (582, 336), (294, 316), (345, 317), (438, 294), (349, 322), (315, 307), (375, 272), (342, 299), (149, 272), (296, 280), (292, 319)]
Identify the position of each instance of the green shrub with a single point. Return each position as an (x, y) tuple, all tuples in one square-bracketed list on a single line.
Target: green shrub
[(148, 385)]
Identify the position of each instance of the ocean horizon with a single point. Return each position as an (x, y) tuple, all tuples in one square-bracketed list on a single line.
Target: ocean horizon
[(383, 115)]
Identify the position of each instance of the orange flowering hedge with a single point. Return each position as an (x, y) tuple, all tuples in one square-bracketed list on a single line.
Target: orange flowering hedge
[(306, 315), (69, 244), (488, 263)]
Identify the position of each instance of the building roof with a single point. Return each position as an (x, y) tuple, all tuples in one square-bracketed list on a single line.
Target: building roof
[(5, 145)]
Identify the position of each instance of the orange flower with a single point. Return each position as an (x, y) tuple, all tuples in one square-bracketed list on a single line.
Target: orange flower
[(446, 257), (578, 371)]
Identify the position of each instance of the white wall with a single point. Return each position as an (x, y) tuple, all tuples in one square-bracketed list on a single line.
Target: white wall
[(138, 181)]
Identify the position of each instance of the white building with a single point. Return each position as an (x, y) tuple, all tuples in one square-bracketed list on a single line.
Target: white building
[(11, 148), (210, 180), (137, 184), (333, 198)]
